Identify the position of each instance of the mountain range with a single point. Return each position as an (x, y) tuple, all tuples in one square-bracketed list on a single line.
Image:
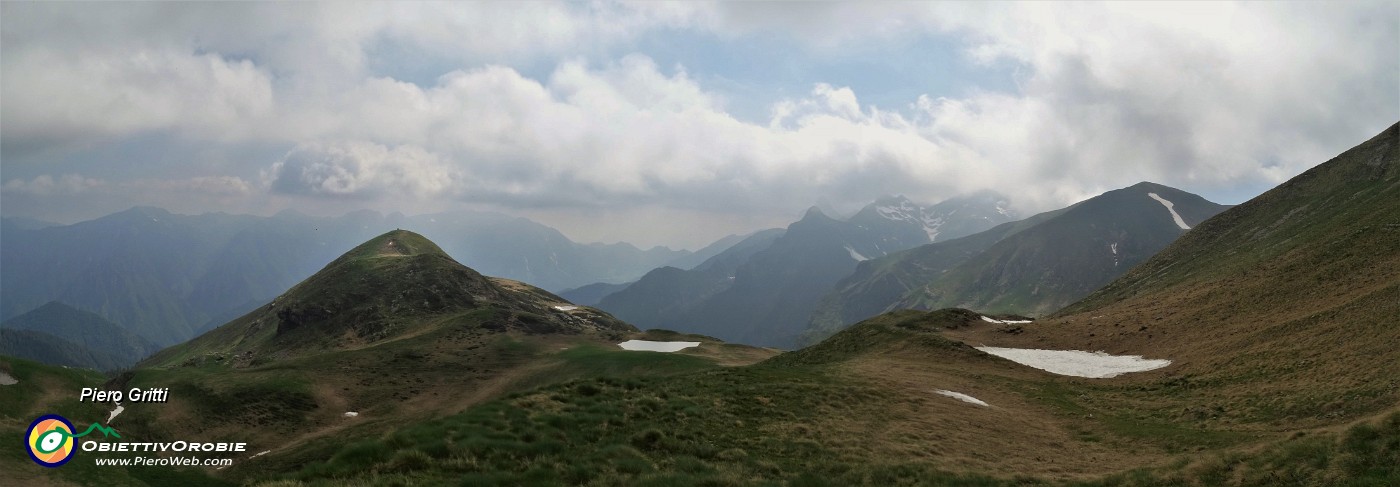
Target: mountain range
[(1275, 317), (1269, 327), (763, 290), (1030, 267), (168, 277)]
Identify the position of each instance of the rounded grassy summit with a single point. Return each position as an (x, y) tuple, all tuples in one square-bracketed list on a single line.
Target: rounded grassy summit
[(396, 285)]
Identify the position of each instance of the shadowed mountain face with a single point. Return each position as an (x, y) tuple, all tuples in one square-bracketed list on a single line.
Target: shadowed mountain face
[(1033, 267), (58, 334), (763, 291), (591, 294), (663, 297)]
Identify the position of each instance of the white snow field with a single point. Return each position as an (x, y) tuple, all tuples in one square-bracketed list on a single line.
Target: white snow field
[(650, 346), (1078, 363), (962, 397), (351, 414), (1179, 222), (1004, 322), (6, 380), (856, 255), (566, 308)]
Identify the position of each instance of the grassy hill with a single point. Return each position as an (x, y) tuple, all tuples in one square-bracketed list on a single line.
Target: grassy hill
[(49, 349), (1283, 373), (858, 409), (1290, 295), (115, 346), (394, 331), (1277, 317)]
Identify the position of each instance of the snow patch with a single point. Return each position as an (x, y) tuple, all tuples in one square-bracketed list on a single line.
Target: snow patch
[(1001, 208), (989, 319), (1179, 222), (351, 414), (904, 212), (1078, 363), (856, 255), (909, 212), (650, 346), (566, 308), (963, 397), (1114, 247), (931, 226), (115, 412), (7, 380), (261, 453)]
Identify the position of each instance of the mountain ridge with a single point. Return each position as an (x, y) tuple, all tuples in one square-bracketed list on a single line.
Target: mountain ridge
[(1030, 267)]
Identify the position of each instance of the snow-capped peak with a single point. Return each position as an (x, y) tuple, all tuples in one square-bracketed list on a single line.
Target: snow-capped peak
[(901, 209)]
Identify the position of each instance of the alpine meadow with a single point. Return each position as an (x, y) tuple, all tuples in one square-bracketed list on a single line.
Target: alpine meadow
[(699, 243)]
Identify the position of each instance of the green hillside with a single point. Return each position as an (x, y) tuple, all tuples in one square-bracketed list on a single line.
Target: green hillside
[(394, 331), (1251, 398), (1030, 267), (879, 284), (49, 349), (85, 329)]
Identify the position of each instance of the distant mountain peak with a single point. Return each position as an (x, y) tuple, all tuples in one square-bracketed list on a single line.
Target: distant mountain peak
[(1149, 187), (143, 212), (892, 199), (815, 212)]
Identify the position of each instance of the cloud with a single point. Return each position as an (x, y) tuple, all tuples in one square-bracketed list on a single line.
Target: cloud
[(73, 184), (52, 96), (534, 109), (360, 169), (621, 134), (44, 185)]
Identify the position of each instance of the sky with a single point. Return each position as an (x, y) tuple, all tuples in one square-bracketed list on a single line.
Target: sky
[(672, 123)]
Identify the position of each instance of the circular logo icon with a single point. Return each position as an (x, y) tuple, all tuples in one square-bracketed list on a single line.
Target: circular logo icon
[(50, 440)]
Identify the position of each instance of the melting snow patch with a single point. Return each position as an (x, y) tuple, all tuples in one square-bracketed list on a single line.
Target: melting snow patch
[(962, 397), (931, 226), (566, 308), (1179, 222), (1094, 365), (650, 346), (115, 412), (1004, 322), (856, 255), (261, 453), (350, 414), (6, 380), (1001, 208)]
